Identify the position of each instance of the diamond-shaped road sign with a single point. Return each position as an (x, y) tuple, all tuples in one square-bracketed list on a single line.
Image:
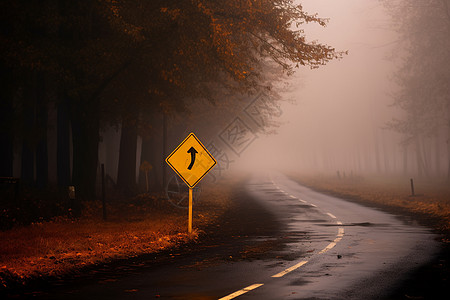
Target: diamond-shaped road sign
[(191, 160)]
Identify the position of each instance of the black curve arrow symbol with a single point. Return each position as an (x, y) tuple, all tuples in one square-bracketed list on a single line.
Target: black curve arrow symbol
[(192, 151)]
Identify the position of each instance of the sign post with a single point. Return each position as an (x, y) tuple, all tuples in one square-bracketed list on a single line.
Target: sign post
[(191, 161), (190, 211)]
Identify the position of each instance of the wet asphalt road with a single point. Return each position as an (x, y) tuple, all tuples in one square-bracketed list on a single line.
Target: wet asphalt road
[(302, 245)]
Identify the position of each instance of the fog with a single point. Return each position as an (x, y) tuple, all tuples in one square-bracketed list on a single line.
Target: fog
[(333, 115), (334, 118)]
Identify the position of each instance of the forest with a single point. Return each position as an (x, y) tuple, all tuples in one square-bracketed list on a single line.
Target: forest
[(384, 110), (121, 83), (423, 78), (79, 76)]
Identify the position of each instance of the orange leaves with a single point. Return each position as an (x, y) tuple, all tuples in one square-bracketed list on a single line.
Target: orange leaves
[(198, 41), (172, 75), (117, 20), (172, 13), (204, 9)]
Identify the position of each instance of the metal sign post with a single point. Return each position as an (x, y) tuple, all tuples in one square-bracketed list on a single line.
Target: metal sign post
[(191, 161), (190, 211)]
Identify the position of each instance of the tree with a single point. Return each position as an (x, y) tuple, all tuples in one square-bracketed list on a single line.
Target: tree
[(6, 122), (424, 74), (120, 62), (218, 48)]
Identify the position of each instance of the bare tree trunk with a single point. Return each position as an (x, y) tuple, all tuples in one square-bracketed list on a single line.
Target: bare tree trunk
[(28, 134), (394, 161), (63, 140), (437, 155), (448, 158), (448, 137), (126, 175), (377, 153), (164, 151), (405, 160), (419, 158), (6, 123), (359, 161), (85, 136), (41, 125), (426, 157), (385, 155), (448, 154)]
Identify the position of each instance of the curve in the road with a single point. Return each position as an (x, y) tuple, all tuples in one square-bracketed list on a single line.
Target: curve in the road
[(339, 236)]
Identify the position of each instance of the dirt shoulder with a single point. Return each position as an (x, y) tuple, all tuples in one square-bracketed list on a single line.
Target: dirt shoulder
[(429, 207)]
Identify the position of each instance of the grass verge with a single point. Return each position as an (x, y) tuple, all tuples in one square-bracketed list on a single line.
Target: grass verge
[(430, 205)]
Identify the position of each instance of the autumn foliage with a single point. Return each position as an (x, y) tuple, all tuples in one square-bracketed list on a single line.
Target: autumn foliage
[(120, 62)]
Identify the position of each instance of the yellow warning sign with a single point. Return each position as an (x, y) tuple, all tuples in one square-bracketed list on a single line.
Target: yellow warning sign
[(191, 160)]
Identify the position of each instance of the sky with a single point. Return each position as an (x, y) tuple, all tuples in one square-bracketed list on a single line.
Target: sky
[(339, 107)]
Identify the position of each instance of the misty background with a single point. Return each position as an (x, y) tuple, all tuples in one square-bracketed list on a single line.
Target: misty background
[(333, 118), (106, 84), (336, 118)]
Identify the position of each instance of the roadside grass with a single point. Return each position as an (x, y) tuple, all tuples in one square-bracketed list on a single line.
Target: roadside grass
[(430, 205), (141, 225)]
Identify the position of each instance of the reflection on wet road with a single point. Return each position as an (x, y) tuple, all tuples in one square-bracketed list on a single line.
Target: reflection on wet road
[(347, 251), (321, 248)]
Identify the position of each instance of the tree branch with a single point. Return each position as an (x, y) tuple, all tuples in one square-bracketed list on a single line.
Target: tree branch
[(110, 78)]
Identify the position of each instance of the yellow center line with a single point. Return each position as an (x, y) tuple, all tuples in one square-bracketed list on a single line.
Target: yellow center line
[(294, 267), (330, 245), (338, 238), (331, 215), (243, 291)]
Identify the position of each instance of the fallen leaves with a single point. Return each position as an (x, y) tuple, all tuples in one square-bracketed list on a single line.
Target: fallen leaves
[(433, 202), (61, 246)]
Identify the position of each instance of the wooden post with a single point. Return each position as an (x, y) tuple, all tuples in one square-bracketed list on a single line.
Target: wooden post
[(412, 187)]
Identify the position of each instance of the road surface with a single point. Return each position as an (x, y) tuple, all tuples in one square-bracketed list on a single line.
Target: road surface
[(286, 242)]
